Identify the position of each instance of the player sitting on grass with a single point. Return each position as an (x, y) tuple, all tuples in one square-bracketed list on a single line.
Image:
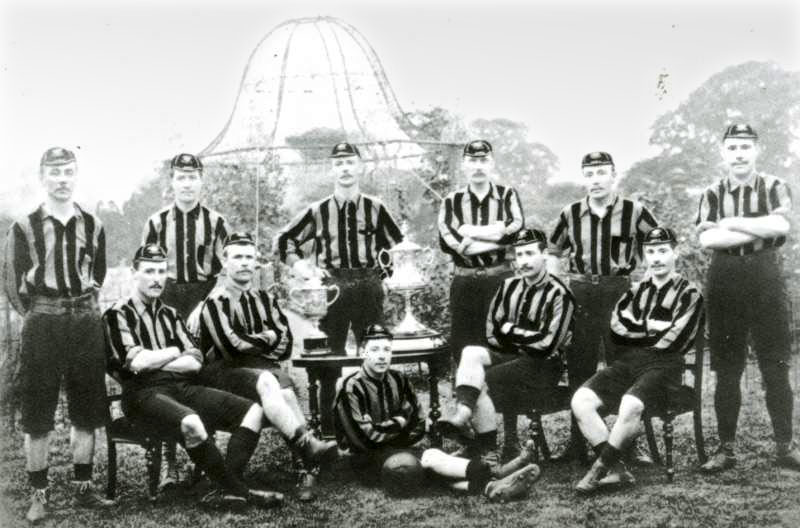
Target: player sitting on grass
[(378, 417)]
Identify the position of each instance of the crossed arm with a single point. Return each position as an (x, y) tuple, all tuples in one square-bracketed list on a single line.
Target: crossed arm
[(735, 231)]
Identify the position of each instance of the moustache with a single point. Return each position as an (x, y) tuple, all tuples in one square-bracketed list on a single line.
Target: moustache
[(157, 286)]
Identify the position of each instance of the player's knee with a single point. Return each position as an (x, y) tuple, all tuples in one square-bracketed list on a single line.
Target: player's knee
[(267, 383), (193, 431), (289, 395), (429, 457), (583, 401), (473, 354), (631, 408)]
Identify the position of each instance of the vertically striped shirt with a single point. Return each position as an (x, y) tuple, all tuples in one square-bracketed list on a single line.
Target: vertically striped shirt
[(664, 319), (367, 409), (345, 234), (540, 315), (132, 326), (234, 324), (761, 196), (463, 207), (46, 257), (611, 245), (193, 241)]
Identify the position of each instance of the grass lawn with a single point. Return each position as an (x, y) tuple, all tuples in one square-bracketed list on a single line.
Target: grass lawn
[(754, 494)]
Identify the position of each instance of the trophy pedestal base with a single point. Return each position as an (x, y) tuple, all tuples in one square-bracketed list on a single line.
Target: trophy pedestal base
[(316, 346), (416, 342)]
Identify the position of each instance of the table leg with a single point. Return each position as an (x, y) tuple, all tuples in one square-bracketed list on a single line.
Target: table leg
[(434, 414), (313, 401)]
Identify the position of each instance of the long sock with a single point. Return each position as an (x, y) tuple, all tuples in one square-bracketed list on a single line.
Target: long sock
[(467, 395), (610, 455), (598, 449), (298, 434), (38, 479), (209, 459), (510, 429), (241, 445), (478, 475), (486, 441)]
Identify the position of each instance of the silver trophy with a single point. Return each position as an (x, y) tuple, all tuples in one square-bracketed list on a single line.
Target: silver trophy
[(410, 263), (312, 301)]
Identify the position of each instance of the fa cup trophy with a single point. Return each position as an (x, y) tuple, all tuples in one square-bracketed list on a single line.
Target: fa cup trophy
[(312, 301), (407, 278)]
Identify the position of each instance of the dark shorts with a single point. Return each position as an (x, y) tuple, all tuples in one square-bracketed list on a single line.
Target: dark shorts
[(68, 346), (518, 382), (747, 296), (647, 375), (359, 304), (241, 377), (470, 297), (185, 297), (161, 408)]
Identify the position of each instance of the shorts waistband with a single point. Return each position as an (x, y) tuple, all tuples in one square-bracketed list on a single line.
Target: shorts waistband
[(487, 271), (62, 305), (591, 278)]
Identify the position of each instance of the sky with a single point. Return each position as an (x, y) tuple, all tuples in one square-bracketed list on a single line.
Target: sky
[(127, 84)]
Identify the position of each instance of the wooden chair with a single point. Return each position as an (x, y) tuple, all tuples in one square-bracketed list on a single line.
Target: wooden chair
[(122, 431), (687, 399), (558, 400)]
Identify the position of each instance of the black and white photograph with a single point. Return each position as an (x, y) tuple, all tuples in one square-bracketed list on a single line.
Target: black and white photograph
[(400, 263)]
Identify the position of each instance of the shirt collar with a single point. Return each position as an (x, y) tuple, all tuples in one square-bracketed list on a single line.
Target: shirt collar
[(539, 282), (585, 209), (367, 375), (732, 183), (341, 200), (230, 289), (673, 279), (43, 212), (141, 306), (493, 192), (194, 211)]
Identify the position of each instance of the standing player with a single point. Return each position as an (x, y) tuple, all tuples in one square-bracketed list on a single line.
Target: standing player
[(192, 236), (378, 416), (245, 336), (601, 235), (156, 362), (476, 225), (55, 264), (529, 322), (742, 218), (654, 324), (348, 230)]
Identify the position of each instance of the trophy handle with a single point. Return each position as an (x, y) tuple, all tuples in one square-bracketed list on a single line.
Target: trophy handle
[(335, 295), (294, 298), (381, 263)]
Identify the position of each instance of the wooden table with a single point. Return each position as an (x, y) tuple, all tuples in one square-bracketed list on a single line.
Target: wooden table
[(435, 358)]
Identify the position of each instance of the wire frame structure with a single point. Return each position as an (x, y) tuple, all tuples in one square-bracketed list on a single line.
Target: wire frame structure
[(309, 83)]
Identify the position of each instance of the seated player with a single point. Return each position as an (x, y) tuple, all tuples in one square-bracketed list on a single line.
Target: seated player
[(529, 321), (377, 415), (655, 323), (244, 336), (157, 364)]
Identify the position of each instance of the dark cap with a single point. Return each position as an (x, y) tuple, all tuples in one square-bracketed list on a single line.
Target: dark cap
[(186, 161), (660, 235), (376, 331), (527, 236), (479, 148), (740, 131), (343, 150), (597, 158), (150, 253), (240, 239), (57, 156)]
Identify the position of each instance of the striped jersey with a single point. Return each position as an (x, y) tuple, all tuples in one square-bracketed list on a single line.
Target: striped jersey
[(664, 319), (541, 316), (366, 411), (463, 207), (345, 234), (234, 324), (761, 196), (611, 245), (193, 241), (46, 257), (132, 326)]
